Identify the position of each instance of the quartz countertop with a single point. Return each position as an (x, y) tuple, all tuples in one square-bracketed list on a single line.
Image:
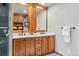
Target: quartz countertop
[(27, 35)]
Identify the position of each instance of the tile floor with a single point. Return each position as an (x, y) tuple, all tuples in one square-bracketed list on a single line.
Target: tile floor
[(53, 54)]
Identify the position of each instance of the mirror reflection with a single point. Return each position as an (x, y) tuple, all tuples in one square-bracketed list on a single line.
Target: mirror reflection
[(41, 19)]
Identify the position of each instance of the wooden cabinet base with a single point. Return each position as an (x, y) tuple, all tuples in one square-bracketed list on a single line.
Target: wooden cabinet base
[(45, 47), (34, 46), (18, 47), (24, 47), (30, 47)]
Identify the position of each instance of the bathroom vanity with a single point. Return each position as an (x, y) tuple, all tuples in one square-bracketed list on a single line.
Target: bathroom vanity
[(33, 45)]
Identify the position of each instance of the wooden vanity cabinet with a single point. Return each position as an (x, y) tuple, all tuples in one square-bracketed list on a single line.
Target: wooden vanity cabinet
[(51, 41), (33, 46), (30, 46), (44, 45), (15, 47), (23, 47), (18, 47), (38, 46)]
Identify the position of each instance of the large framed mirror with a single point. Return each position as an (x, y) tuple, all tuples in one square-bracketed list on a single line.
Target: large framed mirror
[(42, 18)]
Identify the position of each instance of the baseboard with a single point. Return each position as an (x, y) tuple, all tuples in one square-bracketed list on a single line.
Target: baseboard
[(59, 53), (48, 53), (53, 52)]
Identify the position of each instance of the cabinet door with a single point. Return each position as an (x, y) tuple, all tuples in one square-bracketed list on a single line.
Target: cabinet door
[(38, 42), (21, 46), (44, 45), (33, 19), (15, 47), (51, 43), (18, 47), (30, 46)]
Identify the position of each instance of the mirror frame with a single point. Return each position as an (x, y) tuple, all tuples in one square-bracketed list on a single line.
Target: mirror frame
[(45, 8)]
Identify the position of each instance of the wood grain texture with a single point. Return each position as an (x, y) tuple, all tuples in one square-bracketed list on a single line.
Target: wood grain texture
[(38, 42), (30, 46), (44, 45), (19, 47), (15, 47), (38, 46), (51, 43), (32, 18), (33, 46)]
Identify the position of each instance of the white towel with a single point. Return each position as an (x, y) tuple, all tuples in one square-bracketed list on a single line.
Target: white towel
[(66, 34)]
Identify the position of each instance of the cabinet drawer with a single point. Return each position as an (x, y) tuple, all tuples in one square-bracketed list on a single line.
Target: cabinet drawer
[(38, 51), (38, 42), (51, 43), (38, 39)]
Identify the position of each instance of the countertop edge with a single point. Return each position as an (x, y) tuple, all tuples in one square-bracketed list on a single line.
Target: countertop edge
[(32, 36)]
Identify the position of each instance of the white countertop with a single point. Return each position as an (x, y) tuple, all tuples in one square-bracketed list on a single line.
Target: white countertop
[(16, 35)]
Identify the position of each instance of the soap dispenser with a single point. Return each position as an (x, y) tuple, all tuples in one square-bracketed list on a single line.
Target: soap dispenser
[(25, 23)]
